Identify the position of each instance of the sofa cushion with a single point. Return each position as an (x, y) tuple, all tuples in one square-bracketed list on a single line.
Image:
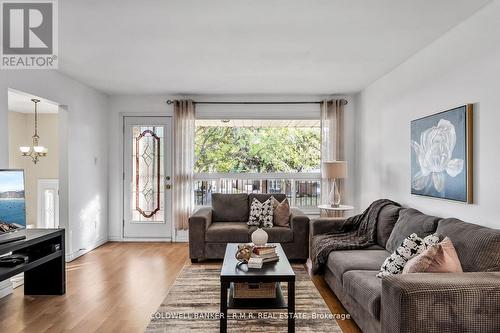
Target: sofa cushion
[(387, 218), (230, 207), (276, 234), (374, 247), (411, 221), (340, 262), (227, 232), (365, 288), (478, 247)]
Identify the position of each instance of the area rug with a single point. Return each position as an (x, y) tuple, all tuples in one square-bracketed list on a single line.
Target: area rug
[(192, 305)]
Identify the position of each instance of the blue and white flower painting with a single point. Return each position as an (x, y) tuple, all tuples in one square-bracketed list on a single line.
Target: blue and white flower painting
[(439, 148)]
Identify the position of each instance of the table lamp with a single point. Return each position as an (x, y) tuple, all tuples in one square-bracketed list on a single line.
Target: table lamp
[(334, 170)]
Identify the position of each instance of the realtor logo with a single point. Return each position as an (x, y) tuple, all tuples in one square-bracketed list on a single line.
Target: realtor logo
[(29, 34)]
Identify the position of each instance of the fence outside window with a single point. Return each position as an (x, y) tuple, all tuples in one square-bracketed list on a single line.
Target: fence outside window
[(302, 189)]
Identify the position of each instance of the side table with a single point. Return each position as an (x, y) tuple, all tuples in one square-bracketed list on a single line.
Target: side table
[(329, 211)]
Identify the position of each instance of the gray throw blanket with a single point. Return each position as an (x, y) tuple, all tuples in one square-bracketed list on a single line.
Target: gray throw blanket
[(356, 232)]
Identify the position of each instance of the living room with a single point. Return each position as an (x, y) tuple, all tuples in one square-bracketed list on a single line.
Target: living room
[(300, 166)]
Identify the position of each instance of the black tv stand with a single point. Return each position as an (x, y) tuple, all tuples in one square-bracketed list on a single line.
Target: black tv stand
[(12, 237), (45, 271)]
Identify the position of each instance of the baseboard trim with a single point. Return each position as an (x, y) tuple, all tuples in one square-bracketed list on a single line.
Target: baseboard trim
[(72, 256), (182, 236), (6, 288), (17, 280), (141, 240)]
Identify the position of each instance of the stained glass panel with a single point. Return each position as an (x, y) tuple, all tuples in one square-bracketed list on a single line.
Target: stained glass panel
[(50, 210), (147, 174)]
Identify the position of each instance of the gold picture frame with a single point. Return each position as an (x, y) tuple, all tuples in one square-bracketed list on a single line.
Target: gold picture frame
[(442, 155)]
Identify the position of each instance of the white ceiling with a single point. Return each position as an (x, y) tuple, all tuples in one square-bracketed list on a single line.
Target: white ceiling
[(246, 47), (19, 101)]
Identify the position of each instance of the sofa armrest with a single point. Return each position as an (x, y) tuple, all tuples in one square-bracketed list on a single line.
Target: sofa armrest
[(298, 219), (201, 216), (299, 222), (434, 302), (326, 225), (198, 224)]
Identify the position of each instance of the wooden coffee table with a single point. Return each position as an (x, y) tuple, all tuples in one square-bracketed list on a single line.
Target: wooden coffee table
[(280, 271)]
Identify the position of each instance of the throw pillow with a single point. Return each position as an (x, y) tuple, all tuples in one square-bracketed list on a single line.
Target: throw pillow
[(281, 212), (266, 216), (409, 248), (431, 240), (438, 258), (261, 212), (255, 211)]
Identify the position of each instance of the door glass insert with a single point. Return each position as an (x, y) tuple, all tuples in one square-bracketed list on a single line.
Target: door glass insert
[(50, 208), (147, 174)]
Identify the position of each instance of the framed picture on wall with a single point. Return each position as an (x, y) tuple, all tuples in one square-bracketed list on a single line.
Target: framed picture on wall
[(441, 155)]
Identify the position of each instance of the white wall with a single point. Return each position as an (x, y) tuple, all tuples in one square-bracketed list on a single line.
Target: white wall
[(155, 105), (86, 132), (463, 66)]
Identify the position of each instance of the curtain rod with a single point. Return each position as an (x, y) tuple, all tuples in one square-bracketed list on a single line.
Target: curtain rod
[(263, 103)]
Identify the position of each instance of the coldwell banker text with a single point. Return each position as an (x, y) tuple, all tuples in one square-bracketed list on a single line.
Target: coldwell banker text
[(29, 35)]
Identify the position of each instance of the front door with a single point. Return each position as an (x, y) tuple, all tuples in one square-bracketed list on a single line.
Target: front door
[(147, 177)]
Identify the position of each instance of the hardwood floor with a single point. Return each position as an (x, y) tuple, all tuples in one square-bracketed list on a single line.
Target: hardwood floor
[(348, 325), (114, 288)]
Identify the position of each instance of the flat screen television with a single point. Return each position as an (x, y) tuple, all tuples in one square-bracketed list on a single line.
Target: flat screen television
[(12, 201)]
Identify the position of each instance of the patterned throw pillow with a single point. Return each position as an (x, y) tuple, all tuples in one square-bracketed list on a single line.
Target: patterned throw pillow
[(409, 248), (266, 216), (255, 211), (261, 212), (430, 240)]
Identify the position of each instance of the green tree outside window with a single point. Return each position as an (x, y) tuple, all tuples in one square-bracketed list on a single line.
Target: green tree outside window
[(261, 149)]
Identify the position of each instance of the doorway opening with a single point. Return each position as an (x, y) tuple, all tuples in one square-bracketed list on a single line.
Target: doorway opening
[(41, 172)]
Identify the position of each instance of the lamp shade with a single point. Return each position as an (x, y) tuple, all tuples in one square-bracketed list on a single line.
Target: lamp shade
[(335, 169)]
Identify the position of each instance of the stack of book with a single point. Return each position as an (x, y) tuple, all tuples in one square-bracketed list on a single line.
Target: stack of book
[(263, 254)]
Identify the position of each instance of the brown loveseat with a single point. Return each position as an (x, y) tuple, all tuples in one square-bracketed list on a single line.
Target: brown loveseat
[(419, 302), (211, 228)]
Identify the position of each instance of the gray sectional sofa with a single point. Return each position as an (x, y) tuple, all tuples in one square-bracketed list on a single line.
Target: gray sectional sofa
[(211, 228), (420, 302)]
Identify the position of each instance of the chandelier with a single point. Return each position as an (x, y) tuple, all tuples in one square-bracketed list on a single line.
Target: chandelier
[(35, 151)]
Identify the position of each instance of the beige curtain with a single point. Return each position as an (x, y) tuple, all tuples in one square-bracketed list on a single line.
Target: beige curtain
[(182, 190), (332, 140)]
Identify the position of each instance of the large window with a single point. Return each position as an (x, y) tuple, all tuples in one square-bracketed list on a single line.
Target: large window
[(258, 156)]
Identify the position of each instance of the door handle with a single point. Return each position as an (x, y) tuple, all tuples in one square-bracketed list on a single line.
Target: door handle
[(168, 187)]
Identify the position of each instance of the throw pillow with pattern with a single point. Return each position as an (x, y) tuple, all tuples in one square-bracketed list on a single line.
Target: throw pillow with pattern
[(266, 215), (261, 212), (409, 248), (255, 211)]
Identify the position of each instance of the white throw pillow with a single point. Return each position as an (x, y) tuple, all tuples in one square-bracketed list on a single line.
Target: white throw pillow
[(266, 216), (255, 211), (261, 212), (409, 248)]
